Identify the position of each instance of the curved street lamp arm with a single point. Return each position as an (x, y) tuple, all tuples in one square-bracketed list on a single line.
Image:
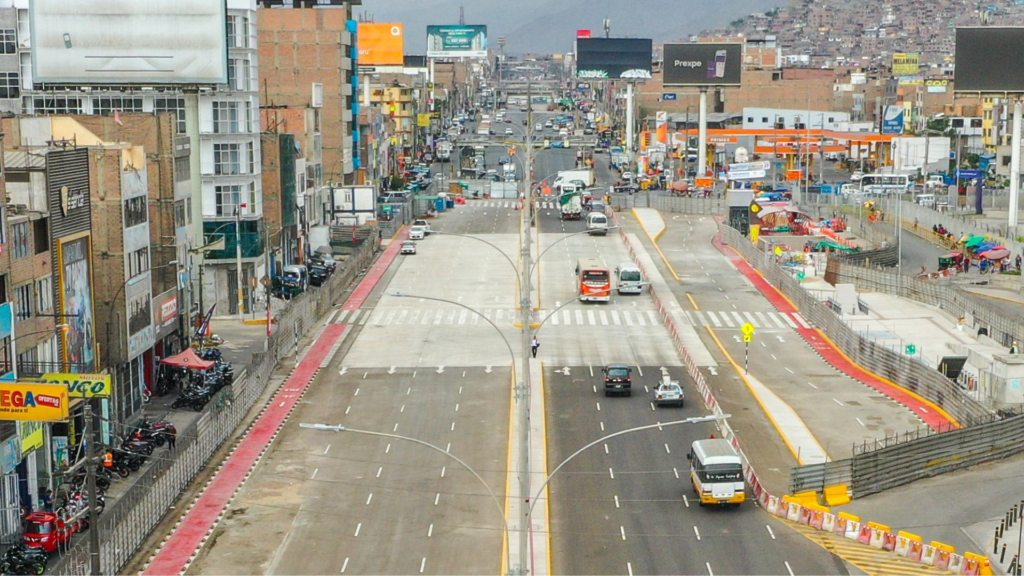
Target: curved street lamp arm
[(460, 305), (562, 239), (695, 420), (500, 251)]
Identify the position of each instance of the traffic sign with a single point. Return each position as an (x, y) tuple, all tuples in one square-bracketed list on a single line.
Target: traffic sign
[(747, 328), (755, 207), (778, 250), (747, 174), (748, 338)]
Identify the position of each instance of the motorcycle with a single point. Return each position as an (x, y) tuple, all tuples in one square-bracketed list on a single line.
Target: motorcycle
[(133, 444), (22, 559)]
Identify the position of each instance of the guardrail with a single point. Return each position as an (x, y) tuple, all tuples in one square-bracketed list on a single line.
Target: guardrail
[(909, 373), (127, 522), (666, 203)]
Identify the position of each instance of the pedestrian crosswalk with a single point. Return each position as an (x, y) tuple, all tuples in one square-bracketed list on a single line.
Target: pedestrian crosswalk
[(511, 204), (589, 316)]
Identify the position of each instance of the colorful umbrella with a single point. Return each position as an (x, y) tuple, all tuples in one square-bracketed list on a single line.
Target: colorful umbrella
[(974, 241), (995, 254)]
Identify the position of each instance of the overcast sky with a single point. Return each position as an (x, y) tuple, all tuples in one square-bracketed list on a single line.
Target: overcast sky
[(549, 26)]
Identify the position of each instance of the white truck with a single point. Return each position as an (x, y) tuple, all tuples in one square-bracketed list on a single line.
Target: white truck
[(572, 207), (444, 151), (566, 176)]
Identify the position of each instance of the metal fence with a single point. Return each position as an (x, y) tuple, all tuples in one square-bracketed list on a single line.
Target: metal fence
[(127, 522), (711, 205), (880, 466), (907, 372)]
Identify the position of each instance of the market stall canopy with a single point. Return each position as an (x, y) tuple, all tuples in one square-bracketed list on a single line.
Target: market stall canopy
[(188, 359), (996, 254), (974, 241), (835, 246), (770, 209)]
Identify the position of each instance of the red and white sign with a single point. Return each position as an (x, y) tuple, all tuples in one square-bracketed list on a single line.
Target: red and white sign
[(583, 33)]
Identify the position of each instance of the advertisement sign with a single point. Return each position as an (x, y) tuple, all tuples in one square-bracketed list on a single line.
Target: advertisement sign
[(10, 454), (75, 281), (82, 385), (583, 33), (989, 59), (33, 402), (152, 42), (746, 174), (381, 44), (704, 64), (936, 86), (906, 63), (32, 436), (457, 41), (669, 97), (7, 331), (626, 58), (749, 166), (423, 120), (892, 120), (60, 451), (661, 122)]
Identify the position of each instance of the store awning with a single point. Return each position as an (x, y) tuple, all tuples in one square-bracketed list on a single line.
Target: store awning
[(188, 359)]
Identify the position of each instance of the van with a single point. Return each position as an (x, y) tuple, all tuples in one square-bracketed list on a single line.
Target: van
[(926, 200), (597, 224), (629, 278), (395, 196)]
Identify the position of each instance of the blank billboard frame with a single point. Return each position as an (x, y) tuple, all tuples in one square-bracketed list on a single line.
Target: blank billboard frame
[(122, 42), (989, 59), (703, 64)]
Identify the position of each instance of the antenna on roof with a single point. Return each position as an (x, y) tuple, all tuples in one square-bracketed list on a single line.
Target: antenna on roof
[(462, 15)]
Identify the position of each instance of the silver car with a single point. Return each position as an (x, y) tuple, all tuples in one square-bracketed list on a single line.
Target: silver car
[(669, 394)]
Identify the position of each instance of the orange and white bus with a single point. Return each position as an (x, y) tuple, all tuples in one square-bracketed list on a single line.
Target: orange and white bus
[(595, 280)]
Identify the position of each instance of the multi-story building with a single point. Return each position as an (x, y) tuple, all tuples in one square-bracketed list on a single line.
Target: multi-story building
[(225, 137)]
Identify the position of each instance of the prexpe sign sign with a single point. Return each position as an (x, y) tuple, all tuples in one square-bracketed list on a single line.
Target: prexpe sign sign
[(33, 402), (704, 64)]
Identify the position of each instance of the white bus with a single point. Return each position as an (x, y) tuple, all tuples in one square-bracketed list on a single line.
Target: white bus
[(881, 184), (716, 472)]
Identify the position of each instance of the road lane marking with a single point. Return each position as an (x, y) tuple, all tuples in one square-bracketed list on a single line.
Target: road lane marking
[(605, 448), (692, 303), (453, 427), (347, 409), (861, 423), (750, 318), (365, 374), (436, 498), (790, 371), (456, 406), (595, 389), (763, 345), (622, 531), (598, 406), (653, 409), (460, 387), (430, 531), (646, 389), (616, 500), (423, 564), (402, 409), (788, 569), (314, 474), (591, 371), (667, 451), (358, 528), (395, 429), (443, 468), (388, 449), (602, 426), (837, 402), (448, 448), (369, 498), (414, 373), (773, 355), (409, 391), (611, 473), (686, 501), (379, 470), (714, 319), (326, 450), (344, 565), (641, 371), (676, 472), (357, 392), (710, 573), (629, 568), (812, 385), (697, 532), (770, 533)]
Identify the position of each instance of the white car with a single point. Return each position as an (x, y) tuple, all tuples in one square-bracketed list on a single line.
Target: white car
[(547, 124), (408, 247), (417, 232), (509, 132), (668, 394), (538, 127)]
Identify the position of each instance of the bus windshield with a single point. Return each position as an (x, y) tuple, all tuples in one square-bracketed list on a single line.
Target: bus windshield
[(723, 472), (596, 277)]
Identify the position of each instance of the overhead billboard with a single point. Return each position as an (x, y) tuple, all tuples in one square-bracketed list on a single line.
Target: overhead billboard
[(457, 41), (989, 59), (892, 120), (906, 64), (614, 58), (120, 42), (704, 64), (381, 44)]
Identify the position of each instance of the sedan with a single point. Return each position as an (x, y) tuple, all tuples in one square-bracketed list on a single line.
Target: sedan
[(509, 132), (408, 247), (538, 127), (668, 394)]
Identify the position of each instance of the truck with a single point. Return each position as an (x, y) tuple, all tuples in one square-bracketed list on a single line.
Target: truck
[(444, 151), (584, 175), (572, 206)]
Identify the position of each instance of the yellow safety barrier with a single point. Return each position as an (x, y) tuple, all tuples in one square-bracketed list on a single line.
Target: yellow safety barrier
[(837, 495)]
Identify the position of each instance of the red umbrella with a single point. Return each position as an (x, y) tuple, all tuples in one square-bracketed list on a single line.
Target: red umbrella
[(995, 254)]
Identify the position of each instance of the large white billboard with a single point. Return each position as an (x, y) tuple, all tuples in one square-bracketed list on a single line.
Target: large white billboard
[(129, 41)]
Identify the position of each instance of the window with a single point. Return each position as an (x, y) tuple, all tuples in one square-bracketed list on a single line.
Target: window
[(243, 76), (232, 36), (228, 198), (831, 119), (105, 105), (182, 169), (176, 105), (251, 147), (225, 118), (180, 219), (8, 41), (44, 294), (10, 86), (19, 239), (227, 159), (135, 211), (248, 116), (138, 262), (40, 236), (232, 72), (57, 105), (244, 32), (750, 119), (23, 302)]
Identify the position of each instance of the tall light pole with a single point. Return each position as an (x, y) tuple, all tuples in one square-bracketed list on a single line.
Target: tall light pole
[(238, 261)]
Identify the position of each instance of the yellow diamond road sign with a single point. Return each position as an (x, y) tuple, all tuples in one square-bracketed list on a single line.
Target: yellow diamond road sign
[(747, 328), (748, 338)]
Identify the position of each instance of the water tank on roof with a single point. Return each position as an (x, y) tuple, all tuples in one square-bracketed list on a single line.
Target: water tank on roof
[(741, 155)]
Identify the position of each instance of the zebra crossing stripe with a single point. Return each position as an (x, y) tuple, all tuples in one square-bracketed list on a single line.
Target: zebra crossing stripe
[(590, 317), (714, 319), (789, 321), (653, 317), (739, 319), (342, 316), (615, 318), (604, 317), (801, 320)]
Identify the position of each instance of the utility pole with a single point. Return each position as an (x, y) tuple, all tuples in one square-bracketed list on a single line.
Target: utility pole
[(526, 309), (93, 418), (238, 261)]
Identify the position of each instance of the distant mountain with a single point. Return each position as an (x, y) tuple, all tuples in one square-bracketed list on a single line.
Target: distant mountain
[(549, 26)]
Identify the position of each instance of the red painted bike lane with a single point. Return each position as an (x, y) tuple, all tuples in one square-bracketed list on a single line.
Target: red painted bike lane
[(178, 552), (932, 415)]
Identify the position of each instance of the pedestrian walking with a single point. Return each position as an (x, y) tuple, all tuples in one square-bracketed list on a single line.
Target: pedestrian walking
[(48, 501), (172, 437), (534, 345), (1017, 262)]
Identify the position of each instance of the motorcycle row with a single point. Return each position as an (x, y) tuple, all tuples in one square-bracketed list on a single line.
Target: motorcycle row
[(199, 386)]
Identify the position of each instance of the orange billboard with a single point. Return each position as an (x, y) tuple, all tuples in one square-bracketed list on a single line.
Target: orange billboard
[(381, 44)]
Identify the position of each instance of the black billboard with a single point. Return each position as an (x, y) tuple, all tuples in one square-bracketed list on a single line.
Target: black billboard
[(704, 64), (989, 59), (614, 58)]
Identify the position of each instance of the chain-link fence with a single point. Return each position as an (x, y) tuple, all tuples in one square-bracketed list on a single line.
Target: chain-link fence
[(127, 522), (908, 372)]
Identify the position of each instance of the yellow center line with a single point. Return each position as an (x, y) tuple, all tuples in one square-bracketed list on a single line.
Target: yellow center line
[(654, 240), (692, 303)]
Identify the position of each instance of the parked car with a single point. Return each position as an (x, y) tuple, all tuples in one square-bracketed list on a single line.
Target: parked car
[(294, 280), (318, 274), (408, 247)]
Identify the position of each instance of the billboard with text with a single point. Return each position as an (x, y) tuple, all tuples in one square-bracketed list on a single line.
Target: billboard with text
[(989, 59), (381, 44), (457, 41), (704, 64), (614, 58), (151, 42)]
